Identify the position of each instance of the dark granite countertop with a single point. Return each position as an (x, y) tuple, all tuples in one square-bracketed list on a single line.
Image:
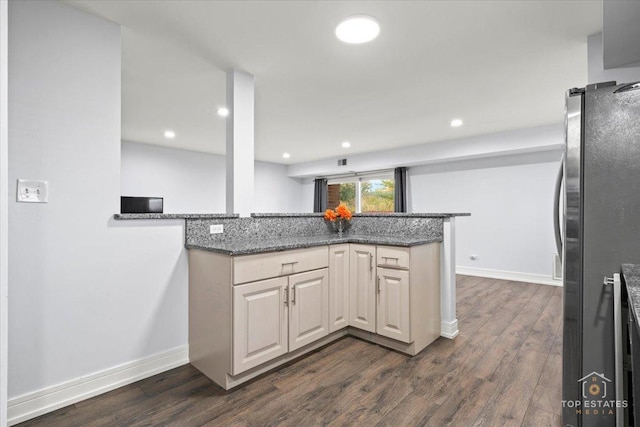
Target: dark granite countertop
[(173, 216), (388, 214), (246, 247), (631, 273)]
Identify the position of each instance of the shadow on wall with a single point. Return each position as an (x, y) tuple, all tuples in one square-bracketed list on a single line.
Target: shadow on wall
[(159, 324), (166, 314), (137, 223), (490, 162)]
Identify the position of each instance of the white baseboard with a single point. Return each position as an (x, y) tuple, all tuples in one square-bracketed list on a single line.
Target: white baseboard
[(449, 329), (508, 275), (49, 399)]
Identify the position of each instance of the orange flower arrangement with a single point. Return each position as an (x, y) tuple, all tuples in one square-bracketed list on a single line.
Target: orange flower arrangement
[(341, 212)]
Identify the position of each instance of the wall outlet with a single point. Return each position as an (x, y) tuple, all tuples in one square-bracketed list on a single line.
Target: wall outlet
[(474, 257), (30, 191), (216, 229)]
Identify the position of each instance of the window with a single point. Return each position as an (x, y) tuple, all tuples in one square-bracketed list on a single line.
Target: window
[(365, 194), (344, 192), (376, 195)]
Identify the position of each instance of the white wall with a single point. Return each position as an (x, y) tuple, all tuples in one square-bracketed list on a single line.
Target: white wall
[(307, 195), (275, 191), (511, 204), (190, 182), (80, 305), (87, 292), (509, 196), (4, 212), (194, 182), (596, 71)]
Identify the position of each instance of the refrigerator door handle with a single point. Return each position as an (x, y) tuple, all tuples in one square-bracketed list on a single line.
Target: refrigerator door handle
[(556, 207), (617, 322)]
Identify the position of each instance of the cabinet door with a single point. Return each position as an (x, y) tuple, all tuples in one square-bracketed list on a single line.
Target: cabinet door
[(362, 297), (308, 307), (393, 304), (259, 323), (338, 287)]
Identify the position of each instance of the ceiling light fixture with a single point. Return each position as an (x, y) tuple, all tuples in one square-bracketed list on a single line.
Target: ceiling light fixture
[(358, 29), (223, 111), (456, 123), (169, 134), (286, 155), (346, 144)]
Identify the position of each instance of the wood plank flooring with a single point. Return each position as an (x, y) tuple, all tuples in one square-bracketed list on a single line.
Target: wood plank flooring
[(504, 369)]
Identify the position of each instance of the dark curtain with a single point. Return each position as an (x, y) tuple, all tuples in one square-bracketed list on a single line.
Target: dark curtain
[(400, 190), (320, 195)]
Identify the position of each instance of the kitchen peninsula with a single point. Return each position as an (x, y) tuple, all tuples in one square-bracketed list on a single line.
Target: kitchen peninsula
[(266, 289), (273, 287)]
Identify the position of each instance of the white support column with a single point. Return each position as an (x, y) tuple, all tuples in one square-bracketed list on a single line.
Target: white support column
[(4, 209), (240, 143), (449, 322)]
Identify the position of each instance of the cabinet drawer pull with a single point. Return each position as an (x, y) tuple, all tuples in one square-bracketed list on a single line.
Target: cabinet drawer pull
[(289, 263), (390, 257), (286, 297), (371, 262), (378, 284), (293, 295)]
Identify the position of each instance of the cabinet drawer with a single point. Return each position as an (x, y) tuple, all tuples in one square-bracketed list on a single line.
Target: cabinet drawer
[(249, 268), (393, 257)]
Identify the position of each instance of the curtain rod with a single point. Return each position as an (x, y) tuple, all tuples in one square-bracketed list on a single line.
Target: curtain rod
[(356, 174)]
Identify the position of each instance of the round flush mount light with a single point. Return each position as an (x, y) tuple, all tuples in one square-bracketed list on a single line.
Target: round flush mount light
[(286, 155), (346, 144), (358, 29), (169, 134), (455, 123), (223, 111)]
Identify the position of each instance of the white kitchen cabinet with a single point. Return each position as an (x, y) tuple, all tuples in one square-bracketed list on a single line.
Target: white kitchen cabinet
[(407, 300), (394, 310), (362, 278), (260, 323), (338, 287), (249, 314), (308, 307), (238, 330)]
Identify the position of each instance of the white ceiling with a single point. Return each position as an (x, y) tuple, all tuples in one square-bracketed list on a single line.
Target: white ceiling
[(498, 65)]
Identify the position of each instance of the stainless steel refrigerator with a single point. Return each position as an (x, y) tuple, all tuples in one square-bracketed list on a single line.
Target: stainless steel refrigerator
[(599, 231)]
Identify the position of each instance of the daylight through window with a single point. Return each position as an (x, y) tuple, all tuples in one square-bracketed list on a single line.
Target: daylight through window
[(366, 194)]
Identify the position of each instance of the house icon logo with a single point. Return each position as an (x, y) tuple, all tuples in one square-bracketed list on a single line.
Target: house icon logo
[(594, 386)]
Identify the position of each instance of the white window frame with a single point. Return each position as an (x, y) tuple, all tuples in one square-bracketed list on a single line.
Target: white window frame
[(358, 180)]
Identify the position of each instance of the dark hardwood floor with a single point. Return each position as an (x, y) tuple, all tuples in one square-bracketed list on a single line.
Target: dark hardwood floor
[(504, 369)]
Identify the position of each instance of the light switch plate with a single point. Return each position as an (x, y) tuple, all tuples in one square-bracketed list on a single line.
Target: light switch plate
[(31, 191), (216, 229)]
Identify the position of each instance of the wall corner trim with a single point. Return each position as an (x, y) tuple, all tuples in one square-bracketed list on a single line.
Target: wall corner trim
[(513, 276), (449, 329), (49, 399)]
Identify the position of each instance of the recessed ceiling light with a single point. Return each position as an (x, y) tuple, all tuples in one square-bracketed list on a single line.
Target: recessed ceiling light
[(346, 144), (286, 155), (223, 111), (169, 134), (456, 123), (358, 29)]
